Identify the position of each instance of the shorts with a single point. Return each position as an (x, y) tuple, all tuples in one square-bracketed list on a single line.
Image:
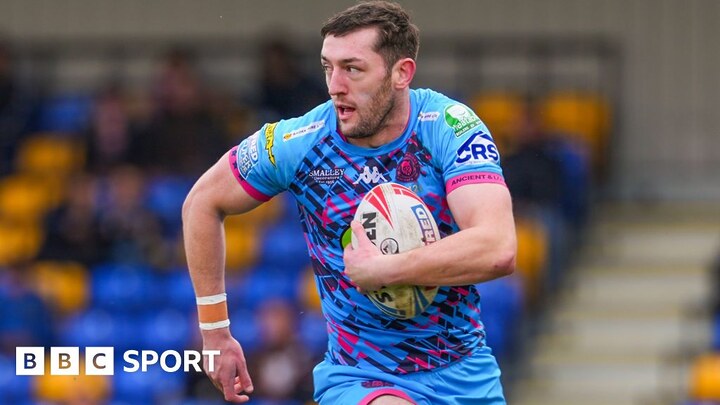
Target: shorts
[(473, 380)]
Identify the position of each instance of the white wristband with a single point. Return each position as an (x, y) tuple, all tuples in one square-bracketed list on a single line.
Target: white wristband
[(215, 325), (211, 299)]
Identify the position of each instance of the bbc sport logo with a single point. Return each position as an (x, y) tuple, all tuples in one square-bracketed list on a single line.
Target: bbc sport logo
[(30, 360)]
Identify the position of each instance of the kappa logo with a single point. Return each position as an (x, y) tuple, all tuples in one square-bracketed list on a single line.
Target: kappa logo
[(370, 177)]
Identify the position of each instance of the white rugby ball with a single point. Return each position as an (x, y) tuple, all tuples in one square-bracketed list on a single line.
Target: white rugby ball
[(397, 220)]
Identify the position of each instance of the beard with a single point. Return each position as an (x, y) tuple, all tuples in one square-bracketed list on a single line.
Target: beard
[(377, 113)]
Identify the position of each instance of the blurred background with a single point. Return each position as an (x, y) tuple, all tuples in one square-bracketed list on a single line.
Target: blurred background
[(605, 112)]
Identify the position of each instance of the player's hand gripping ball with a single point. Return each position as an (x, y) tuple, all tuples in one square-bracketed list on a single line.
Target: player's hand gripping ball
[(397, 220)]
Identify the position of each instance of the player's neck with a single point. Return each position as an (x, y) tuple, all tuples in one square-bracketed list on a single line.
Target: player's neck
[(393, 128)]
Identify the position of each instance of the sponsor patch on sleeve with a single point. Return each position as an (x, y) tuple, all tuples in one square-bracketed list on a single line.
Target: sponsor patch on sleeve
[(478, 148), (461, 119), (247, 154), (308, 129), (270, 141)]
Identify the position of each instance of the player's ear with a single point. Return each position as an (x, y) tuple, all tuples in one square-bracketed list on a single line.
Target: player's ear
[(403, 72)]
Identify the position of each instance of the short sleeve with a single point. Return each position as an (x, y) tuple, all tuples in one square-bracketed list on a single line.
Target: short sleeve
[(469, 154), (263, 166)]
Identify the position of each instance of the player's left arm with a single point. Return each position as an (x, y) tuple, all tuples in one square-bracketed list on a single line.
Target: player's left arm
[(483, 249)]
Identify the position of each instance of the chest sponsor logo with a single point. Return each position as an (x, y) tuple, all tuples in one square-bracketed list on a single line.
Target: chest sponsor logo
[(461, 119), (428, 116), (308, 129), (326, 176), (247, 154), (270, 141), (370, 176), (479, 148)]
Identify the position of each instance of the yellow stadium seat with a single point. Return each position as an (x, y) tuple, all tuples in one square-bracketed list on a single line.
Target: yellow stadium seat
[(264, 214), (18, 242), (51, 155), (242, 245), (583, 116), (501, 112), (705, 378), (308, 291), (63, 285), (532, 255), (72, 389), (25, 198)]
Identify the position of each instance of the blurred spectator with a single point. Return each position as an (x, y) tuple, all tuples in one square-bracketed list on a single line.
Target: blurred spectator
[(73, 229), (532, 173), (16, 110), (25, 320), (133, 232), (183, 136), (281, 366), (286, 91), (111, 136)]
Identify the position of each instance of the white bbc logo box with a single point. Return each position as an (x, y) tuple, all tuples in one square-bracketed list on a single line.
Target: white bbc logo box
[(64, 360)]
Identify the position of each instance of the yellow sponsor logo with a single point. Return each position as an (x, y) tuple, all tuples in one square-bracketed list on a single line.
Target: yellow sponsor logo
[(269, 141)]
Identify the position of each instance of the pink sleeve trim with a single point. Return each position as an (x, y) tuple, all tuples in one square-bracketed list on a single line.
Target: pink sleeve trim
[(254, 193), (473, 178), (385, 391)]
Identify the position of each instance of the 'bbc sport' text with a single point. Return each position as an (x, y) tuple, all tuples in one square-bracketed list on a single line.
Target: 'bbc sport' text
[(101, 360)]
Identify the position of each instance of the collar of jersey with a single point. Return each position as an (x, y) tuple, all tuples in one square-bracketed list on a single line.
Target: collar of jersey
[(362, 151)]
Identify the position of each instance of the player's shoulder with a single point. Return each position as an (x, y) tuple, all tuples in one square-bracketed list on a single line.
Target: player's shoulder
[(295, 136), (440, 114)]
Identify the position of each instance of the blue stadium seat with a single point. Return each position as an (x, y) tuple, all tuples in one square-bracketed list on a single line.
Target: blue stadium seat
[(501, 306), (165, 329), (245, 329), (13, 389), (164, 197), (65, 113), (98, 327), (123, 287), (283, 246), (313, 331), (261, 284), (716, 333), (178, 290), (152, 387)]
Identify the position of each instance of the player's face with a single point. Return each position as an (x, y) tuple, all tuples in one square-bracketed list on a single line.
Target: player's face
[(358, 82)]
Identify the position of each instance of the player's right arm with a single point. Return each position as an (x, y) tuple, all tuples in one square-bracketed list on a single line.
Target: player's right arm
[(215, 195)]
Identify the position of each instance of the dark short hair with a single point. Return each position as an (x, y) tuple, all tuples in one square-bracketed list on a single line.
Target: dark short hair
[(398, 36)]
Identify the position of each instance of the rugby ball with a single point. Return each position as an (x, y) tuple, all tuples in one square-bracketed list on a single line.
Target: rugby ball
[(397, 220)]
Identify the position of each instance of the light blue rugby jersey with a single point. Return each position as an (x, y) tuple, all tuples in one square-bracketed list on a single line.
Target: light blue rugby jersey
[(444, 146)]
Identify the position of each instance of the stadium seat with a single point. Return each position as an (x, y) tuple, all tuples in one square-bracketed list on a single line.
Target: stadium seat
[(308, 292), (122, 287), (178, 290), (283, 246), (262, 284), (164, 197), (99, 327), (50, 155), (313, 331), (155, 386), (20, 242), (13, 389), (246, 328), (582, 116), (532, 255), (716, 333), (24, 198), (500, 111), (63, 285), (165, 329), (501, 308), (241, 245), (705, 378), (72, 388), (66, 113)]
